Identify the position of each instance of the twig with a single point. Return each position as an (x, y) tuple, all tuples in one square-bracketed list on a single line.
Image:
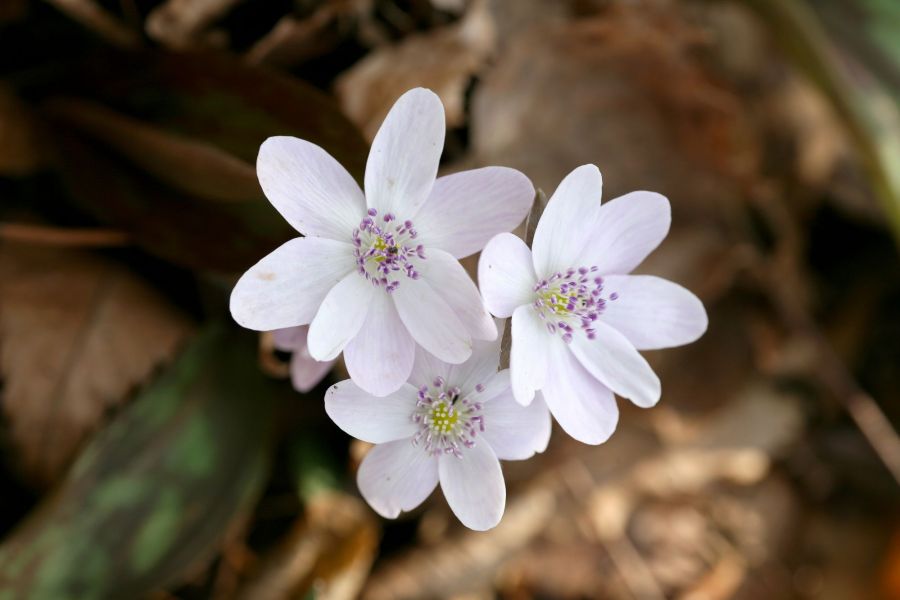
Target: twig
[(59, 236), (98, 20)]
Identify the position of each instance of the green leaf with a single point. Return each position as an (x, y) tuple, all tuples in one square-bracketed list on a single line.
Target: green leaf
[(153, 494)]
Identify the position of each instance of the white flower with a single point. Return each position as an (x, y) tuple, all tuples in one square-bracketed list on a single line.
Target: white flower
[(378, 273), (306, 372), (448, 424), (578, 319)]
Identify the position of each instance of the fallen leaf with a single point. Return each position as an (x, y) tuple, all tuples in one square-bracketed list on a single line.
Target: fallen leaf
[(21, 152), (77, 334)]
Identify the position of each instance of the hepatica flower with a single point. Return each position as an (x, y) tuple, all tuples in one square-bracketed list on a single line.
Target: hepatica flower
[(377, 273), (448, 424), (306, 372), (578, 318)]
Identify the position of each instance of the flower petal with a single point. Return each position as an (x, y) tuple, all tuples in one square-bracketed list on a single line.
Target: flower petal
[(403, 161), (431, 321), (290, 338), (613, 360), (307, 372), (474, 486), (310, 189), (481, 368), (340, 317), (396, 476), (427, 367), (467, 209), (569, 220), (628, 229), (444, 274), (369, 418), (286, 287), (380, 357), (583, 407), (528, 355), (653, 313), (516, 432), (506, 274)]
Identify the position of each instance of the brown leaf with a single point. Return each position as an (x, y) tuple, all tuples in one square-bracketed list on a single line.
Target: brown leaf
[(77, 334), (20, 150)]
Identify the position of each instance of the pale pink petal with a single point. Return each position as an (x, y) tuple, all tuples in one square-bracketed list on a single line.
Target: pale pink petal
[(340, 317), (474, 487), (310, 189), (427, 367), (481, 368), (396, 476), (380, 357), (516, 432), (653, 313), (307, 372), (528, 356), (613, 360), (569, 220), (403, 161), (444, 274), (467, 209), (431, 321), (628, 229), (370, 418), (506, 275), (583, 407), (290, 338), (286, 287)]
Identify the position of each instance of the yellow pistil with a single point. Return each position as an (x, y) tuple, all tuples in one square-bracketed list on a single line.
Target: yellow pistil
[(442, 420)]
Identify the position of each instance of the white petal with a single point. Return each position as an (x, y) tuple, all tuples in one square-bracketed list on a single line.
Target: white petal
[(467, 209), (613, 360), (528, 355), (286, 287), (403, 161), (628, 229), (427, 367), (431, 321), (369, 418), (444, 274), (307, 372), (310, 189), (474, 486), (568, 222), (481, 368), (653, 313), (506, 274), (396, 476), (380, 357), (583, 407), (290, 338), (340, 317), (516, 432)]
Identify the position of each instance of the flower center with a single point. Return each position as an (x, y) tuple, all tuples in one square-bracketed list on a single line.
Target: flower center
[(386, 250), (571, 299), (448, 421)]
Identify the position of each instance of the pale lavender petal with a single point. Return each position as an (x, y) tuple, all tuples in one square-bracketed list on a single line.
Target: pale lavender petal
[(583, 407), (516, 432), (427, 367), (653, 313), (370, 418), (340, 317), (474, 487), (569, 220), (467, 209), (290, 338), (310, 189), (528, 356), (307, 372), (286, 287), (612, 359), (396, 476), (403, 161), (380, 357), (444, 274), (481, 368), (506, 274), (628, 229), (432, 322)]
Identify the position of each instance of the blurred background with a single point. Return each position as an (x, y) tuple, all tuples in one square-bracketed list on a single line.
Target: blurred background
[(152, 449)]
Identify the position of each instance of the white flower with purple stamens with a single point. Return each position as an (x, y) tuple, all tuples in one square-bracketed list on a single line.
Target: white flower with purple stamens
[(378, 273), (306, 372), (578, 318), (448, 424)]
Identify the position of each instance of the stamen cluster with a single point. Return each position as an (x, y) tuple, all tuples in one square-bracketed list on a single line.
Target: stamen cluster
[(386, 250), (571, 298), (448, 421)]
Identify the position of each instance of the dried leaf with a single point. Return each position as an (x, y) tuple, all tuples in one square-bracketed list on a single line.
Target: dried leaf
[(78, 334), (21, 152), (178, 23)]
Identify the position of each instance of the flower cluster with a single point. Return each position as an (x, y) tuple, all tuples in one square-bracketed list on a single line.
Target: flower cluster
[(376, 276)]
